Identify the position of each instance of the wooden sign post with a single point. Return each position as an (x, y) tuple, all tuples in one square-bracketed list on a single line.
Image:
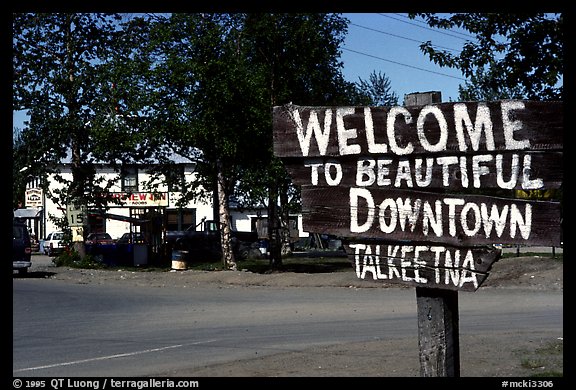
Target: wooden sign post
[(408, 190)]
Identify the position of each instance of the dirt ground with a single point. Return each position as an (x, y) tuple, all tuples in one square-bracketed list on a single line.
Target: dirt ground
[(495, 355)]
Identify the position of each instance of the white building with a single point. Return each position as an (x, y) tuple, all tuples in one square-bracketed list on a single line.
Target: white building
[(139, 209)]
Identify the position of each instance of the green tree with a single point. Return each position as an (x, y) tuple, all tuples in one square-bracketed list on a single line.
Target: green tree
[(376, 91), (215, 79), (184, 79), (20, 170), (57, 59), (297, 57), (198, 85), (511, 56)]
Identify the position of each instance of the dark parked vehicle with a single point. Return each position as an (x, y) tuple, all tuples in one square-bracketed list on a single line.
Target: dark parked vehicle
[(102, 246), (21, 248), (205, 244), (131, 238), (99, 239)]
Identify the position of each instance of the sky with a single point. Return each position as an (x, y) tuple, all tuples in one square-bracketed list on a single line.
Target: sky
[(389, 43)]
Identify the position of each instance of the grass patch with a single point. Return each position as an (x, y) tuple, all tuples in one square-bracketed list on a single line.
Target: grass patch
[(317, 262), (312, 262), (546, 361)]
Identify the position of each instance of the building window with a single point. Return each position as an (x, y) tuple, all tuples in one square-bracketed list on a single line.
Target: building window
[(175, 178), (129, 179), (180, 219)]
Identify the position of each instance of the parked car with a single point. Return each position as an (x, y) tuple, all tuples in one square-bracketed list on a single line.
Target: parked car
[(21, 248), (99, 239), (102, 246), (131, 238), (54, 243)]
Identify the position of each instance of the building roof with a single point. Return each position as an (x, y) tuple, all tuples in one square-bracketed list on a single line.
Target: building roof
[(27, 213), (173, 157)]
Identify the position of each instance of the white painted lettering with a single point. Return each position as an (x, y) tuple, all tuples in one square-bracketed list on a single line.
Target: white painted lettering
[(388, 215), (404, 263), (496, 219), (431, 217), (355, 193), (524, 224), (333, 181), (446, 162), (304, 138), (357, 248), (423, 180), (407, 212), (373, 147), (345, 134), (313, 172), (463, 172), (465, 220), (502, 171), (510, 126), (393, 271), (383, 172), (403, 174), (452, 203), (483, 123), (365, 172), (443, 139), (437, 250), (468, 275), (479, 170), (514, 167), (391, 131), (527, 182)]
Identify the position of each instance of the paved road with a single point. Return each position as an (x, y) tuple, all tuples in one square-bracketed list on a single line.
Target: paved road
[(532, 249), (65, 329)]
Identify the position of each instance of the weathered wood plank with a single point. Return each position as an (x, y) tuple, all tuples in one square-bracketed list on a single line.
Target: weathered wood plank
[(431, 266), (436, 128), (360, 168), (506, 170), (415, 216), (475, 258), (438, 332)]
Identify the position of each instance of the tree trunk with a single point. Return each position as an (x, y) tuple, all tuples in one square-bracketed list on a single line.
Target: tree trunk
[(228, 260), (77, 187), (285, 222), (274, 241)]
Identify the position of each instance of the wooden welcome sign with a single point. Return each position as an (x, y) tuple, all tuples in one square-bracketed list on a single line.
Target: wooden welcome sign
[(408, 188)]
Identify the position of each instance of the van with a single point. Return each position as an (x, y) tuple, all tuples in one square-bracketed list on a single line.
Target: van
[(53, 244), (21, 248)]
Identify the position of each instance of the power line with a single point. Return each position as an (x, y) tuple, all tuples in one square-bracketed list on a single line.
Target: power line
[(401, 37), (406, 65), (426, 28), (423, 22)]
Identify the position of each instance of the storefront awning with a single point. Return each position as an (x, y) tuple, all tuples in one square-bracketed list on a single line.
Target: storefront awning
[(27, 213)]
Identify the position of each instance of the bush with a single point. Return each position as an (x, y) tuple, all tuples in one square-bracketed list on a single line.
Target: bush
[(71, 258)]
